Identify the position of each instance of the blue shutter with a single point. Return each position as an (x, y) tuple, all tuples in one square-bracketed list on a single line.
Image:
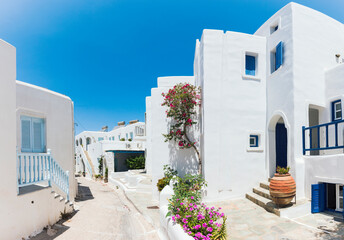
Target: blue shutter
[(279, 55), (318, 197), (26, 134), (250, 65), (38, 135)]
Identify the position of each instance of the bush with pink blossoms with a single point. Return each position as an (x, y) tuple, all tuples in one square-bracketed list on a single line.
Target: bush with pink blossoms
[(181, 102), (198, 220)]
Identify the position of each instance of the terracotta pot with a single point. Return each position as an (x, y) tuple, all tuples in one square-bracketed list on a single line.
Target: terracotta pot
[(282, 189)]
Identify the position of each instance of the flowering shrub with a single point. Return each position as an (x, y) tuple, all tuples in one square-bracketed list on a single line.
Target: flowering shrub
[(199, 221), (181, 102)]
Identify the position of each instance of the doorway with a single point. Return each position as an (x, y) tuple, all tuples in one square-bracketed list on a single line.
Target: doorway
[(313, 116), (281, 145)]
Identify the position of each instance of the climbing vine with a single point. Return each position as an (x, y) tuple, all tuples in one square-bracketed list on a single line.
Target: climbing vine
[(181, 102)]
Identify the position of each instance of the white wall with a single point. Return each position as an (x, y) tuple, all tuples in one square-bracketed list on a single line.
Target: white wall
[(24, 214), (185, 160), (233, 107)]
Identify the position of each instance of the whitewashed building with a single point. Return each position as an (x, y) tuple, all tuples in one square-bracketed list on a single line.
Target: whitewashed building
[(114, 146), (37, 154), (260, 95)]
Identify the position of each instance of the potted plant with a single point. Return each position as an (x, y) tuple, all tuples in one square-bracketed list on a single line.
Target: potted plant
[(282, 187), (106, 175)]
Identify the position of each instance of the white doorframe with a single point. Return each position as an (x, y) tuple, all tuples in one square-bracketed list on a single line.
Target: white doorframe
[(339, 196)]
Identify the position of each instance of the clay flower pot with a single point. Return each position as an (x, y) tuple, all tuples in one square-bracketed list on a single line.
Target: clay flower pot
[(282, 189)]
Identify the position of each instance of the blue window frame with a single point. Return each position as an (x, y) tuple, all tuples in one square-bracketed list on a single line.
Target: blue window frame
[(277, 57), (100, 139), (32, 134), (250, 65), (131, 135), (337, 110), (253, 140)]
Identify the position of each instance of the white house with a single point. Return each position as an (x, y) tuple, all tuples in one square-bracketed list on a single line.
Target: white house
[(260, 95), (37, 181), (115, 146)]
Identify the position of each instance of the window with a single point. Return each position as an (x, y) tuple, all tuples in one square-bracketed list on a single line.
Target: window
[(276, 57), (32, 134), (339, 193), (126, 136), (100, 139), (250, 65), (131, 135), (253, 140), (273, 29), (119, 137), (113, 138), (337, 110)]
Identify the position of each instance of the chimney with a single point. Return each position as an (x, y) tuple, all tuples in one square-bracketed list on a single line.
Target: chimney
[(133, 121), (121, 123)]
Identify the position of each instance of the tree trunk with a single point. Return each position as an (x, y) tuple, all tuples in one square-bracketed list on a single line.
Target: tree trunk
[(196, 150)]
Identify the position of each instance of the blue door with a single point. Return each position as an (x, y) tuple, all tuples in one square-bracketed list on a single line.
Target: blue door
[(281, 145), (318, 198)]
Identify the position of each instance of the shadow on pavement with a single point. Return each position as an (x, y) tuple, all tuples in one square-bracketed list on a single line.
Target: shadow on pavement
[(84, 193)]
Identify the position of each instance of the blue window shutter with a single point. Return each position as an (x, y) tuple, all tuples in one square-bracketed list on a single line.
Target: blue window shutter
[(279, 55), (318, 197), (250, 65), (38, 135), (26, 134)]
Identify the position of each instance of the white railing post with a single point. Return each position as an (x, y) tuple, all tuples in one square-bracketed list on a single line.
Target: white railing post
[(18, 169), (67, 185), (50, 166)]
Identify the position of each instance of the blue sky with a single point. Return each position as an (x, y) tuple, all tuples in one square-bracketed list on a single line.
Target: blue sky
[(107, 54)]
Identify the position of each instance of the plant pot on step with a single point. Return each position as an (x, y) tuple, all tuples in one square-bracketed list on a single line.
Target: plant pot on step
[(282, 189)]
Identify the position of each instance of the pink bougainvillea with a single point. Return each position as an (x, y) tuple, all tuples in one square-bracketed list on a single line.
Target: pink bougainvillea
[(181, 102)]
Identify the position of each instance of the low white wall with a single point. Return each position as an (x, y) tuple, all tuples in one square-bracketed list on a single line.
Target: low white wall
[(323, 168), (173, 230)]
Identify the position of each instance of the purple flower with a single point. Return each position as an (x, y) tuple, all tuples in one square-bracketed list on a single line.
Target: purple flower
[(185, 220), (192, 198), (204, 225), (209, 229), (173, 218), (181, 203), (178, 216), (211, 222), (197, 227)]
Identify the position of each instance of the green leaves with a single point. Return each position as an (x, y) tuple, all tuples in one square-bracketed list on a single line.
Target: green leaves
[(135, 162)]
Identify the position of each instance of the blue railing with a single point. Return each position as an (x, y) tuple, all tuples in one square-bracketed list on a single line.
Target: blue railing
[(33, 168), (327, 143)]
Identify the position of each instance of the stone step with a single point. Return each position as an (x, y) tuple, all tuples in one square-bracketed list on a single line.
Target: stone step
[(264, 185), (265, 203), (56, 195), (262, 192)]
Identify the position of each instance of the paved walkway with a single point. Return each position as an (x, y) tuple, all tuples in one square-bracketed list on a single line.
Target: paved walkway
[(248, 221), (102, 213)]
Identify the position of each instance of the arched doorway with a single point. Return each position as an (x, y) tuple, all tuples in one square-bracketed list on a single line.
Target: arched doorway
[(281, 141), (277, 143)]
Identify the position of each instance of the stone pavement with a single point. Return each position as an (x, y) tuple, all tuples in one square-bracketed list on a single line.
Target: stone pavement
[(246, 220), (101, 213)]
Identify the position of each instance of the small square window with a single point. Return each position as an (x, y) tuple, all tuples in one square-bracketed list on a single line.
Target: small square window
[(253, 140), (273, 29), (336, 110), (250, 65)]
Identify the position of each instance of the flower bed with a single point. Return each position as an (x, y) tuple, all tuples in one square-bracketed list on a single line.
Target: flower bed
[(200, 221)]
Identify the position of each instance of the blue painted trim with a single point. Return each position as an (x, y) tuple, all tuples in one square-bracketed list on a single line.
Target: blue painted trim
[(334, 110), (317, 127), (256, 140)]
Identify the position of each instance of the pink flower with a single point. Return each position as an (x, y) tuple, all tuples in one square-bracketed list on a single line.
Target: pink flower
[(185, 220), (192, 198), (209, 229), (181, 143), (204, 225)]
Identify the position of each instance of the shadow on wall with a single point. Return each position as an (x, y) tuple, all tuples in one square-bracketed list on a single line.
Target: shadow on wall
[(184, 160)]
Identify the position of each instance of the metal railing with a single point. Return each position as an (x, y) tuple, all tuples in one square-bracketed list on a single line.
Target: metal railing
[(327, 142), (33, 168)]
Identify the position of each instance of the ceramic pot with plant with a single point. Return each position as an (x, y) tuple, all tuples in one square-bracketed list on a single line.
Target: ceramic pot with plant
[(282, 187)]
